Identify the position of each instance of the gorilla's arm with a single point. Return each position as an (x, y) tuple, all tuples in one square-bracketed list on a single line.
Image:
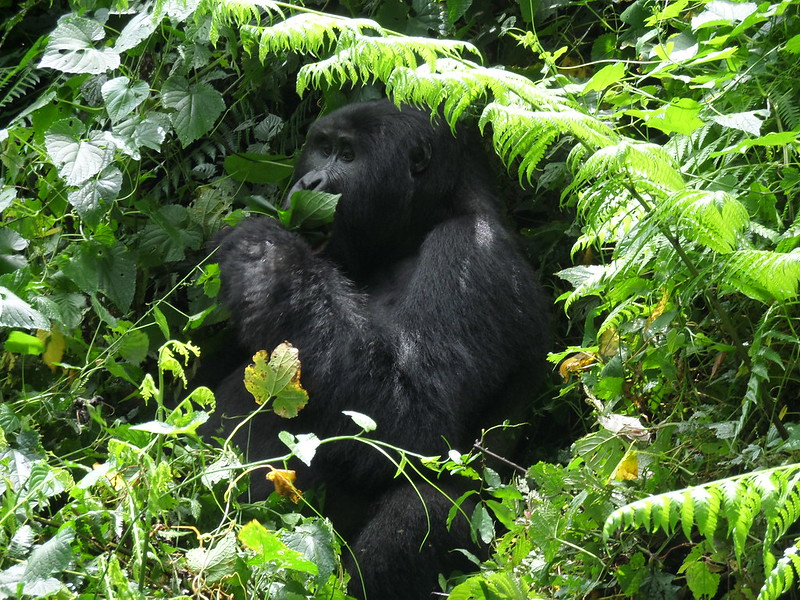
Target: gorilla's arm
[(419, 356)]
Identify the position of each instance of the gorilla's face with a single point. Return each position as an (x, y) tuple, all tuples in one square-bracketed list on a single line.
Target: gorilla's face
[(329, 160)]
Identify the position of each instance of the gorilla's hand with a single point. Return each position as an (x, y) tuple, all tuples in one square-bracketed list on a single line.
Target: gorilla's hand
[(261, 265)]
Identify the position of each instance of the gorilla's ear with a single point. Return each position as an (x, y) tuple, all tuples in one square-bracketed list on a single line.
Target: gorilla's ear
[(420, 157)]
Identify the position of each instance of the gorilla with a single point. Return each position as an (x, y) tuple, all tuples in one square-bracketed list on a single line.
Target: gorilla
[(421, 312)]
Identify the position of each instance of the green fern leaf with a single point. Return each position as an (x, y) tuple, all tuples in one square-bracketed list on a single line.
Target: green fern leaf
[(707, 501), (687, 514), (520, 133), (239, 13), (359, 57), (309, 33), (762, 274), (781, 578), (624, 312), (453, 84), (715, 219)]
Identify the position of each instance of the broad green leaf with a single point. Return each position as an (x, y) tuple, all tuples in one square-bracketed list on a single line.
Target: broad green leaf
[(366, 423), (773, 138), (11, 243), (270, 548), (7, 195), (122, 96), (679, 116), (93, 199), (305, 447), (148, 131), (51, 557), (76, 157), (23, 343), (482, 524), (169, 234), (216, 562), (310, 208), (701, 580), (71, 48), (279, 379), (456, 9), (15, 312), (221, 469), (749, 122), (194, 420), (314, 541), (678, 48), (793, 44), (723, 12), (139, 28), (196, 107), (110, 270), (252, 167), (605, 77)]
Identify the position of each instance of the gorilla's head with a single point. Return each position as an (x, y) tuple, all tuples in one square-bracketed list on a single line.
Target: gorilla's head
[(397, 173)]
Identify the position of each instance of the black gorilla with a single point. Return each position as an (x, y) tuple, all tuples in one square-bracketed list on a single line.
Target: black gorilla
[(420, 312)]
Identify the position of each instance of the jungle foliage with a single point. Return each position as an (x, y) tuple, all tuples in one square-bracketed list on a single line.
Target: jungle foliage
[(656, 149)]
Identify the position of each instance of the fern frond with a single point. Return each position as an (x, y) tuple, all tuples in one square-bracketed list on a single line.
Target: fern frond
[(773, 493), (449, 83), (762, 274), (624, 312), (787, 109), (525, 135), (647, 167), (610, 213), (240, 13), (458, 83), (586, 279), (782, 577), (360, 57), (783, 511), (714, 219), (15, 83), (311, 33)]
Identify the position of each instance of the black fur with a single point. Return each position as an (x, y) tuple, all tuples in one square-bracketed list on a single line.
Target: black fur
[(421, 313)]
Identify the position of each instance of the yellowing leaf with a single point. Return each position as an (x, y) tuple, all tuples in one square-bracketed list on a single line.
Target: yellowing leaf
[(628, 467), (277, 377), (609, 343), (576, 364), (55, 343), (658, 310), (283, 480)]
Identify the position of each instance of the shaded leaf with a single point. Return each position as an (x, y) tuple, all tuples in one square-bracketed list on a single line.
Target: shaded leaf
[(196, 107)]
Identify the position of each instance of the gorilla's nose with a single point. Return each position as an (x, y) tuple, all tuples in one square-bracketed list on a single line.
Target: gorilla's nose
[(316, 181)]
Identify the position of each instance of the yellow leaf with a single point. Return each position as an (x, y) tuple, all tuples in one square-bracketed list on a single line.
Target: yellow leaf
[(658, 310), (283, 480), (609, 343), (628, 467), (576, 364), (54, 349)]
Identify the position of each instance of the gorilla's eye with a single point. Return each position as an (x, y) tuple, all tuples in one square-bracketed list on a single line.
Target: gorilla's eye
[(347, 154), (325, 149)]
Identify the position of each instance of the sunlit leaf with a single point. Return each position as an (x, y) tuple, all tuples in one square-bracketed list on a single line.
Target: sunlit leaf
[(15, 312), (72, 49), (122, 96)]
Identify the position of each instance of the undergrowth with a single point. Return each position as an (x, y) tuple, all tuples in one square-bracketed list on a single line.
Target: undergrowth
[(658, 141)]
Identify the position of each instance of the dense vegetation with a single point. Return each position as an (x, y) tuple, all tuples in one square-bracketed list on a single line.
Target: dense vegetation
[(656, 148)]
